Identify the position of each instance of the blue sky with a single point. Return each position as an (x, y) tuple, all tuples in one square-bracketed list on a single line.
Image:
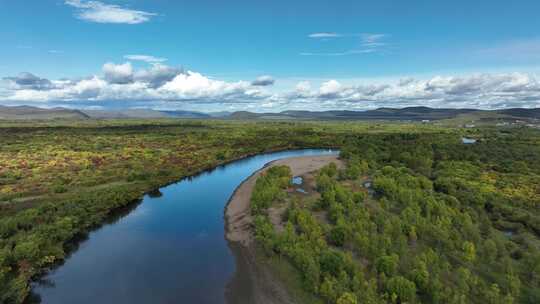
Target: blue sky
[(313, 54)]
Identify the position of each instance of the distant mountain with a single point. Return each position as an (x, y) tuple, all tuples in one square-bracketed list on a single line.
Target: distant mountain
[(404, 114), (244, 115), (34, 113), (29, 113), (186, 114), (220, 114), (520, 112), (409, 113), (143, 113), (128, 113)]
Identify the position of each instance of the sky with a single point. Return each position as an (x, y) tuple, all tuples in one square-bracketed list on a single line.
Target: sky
[(268, 56)]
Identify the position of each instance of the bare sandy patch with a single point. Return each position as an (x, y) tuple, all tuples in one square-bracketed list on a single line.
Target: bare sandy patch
[(237, 214)]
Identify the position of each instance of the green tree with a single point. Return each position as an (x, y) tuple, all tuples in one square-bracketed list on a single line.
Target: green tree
[(403, 289), (469, 251), (347, 298), (338, 235), (328, 288), (387, 264), (493, 294), (420, 276)]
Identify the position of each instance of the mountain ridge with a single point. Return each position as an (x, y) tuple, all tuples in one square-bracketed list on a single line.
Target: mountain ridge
[(407, 113), (396, 114)]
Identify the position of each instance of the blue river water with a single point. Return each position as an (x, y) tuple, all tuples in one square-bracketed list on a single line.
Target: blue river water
[(168, 249)]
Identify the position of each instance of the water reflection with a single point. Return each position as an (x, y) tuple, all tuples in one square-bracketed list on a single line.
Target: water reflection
[(168, 249)]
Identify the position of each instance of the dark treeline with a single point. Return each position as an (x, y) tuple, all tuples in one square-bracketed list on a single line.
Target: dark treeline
[(445, 223)]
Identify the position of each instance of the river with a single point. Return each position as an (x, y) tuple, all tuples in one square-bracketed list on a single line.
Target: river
[(170, 248)]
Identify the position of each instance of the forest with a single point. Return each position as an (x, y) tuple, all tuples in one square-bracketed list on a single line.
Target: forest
[(60, 179), (412, 218), (439, 210)]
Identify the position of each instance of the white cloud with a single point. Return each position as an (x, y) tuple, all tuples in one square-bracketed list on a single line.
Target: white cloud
[(86, 88), (303, 86), (369, 43), (99, 12), (157, 75), (405, 81), (371, 38), (145, 58), (192, 85), (166, 86), (330, 88), (334, 54), (365, 37), (121, 82), (324, 35), (27, 80), (486, 91), (482, 91), (118, 73), (263, 81)]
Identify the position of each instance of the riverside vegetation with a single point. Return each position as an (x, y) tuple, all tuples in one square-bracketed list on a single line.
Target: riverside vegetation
[(60, 179), (412, 218)]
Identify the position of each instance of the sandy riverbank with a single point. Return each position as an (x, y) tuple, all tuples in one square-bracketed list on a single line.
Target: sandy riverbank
[(253, 282)]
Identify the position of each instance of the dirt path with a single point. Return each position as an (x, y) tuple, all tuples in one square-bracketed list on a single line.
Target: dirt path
[(253, 282)]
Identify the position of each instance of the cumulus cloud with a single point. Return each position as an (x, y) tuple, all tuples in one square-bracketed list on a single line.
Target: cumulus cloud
[(145, 58), (157, 75), (192, 85), (303, 86), (482, 91), (330, 89), (99, 12), (158, 83), (263, 81), (118, 73), (405, 81), (162, 85), (485, 91), (29, 81), (85, 89)]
